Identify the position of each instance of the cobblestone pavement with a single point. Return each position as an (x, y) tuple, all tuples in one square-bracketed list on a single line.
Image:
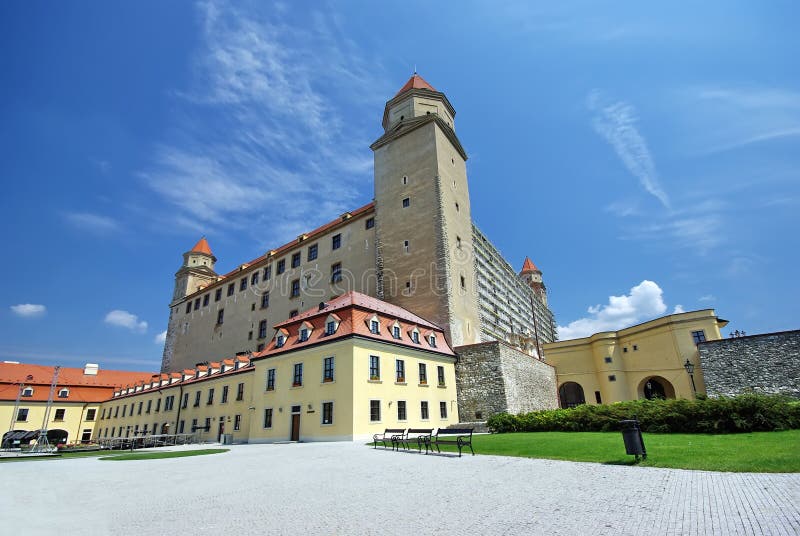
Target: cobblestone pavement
[(346, 488)]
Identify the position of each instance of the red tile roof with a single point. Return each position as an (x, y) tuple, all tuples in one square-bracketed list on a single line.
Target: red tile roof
[(528, 266), (82, 387), (415, 82), (355, 311), (202, 247)]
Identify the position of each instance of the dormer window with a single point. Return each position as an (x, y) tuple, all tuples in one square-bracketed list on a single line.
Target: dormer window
[(280, 340), (330, 328), (303, 335), (63, 393), (415, 335), (396, 331), (432, 341), (374, 326), (28, 391)]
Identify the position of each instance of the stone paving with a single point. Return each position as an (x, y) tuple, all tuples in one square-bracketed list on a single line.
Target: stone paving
[(347, 488)]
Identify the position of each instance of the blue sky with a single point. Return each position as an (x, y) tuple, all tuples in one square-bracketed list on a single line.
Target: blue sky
[(645, 157)]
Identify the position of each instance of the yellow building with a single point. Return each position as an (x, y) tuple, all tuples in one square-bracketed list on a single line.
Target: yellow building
[(341, 371), (77, 399), (648, 360)]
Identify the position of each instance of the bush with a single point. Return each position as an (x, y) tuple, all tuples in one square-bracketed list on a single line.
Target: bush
[(743, 413)]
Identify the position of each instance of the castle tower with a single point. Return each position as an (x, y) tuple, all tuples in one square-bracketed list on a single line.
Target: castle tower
[(197, 270), (533, 277), (424, 250)]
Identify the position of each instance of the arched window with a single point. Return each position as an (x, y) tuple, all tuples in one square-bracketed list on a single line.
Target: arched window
[(571, 394)]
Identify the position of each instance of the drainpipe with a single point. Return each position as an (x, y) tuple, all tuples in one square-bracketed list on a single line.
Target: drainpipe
[(80, 421)]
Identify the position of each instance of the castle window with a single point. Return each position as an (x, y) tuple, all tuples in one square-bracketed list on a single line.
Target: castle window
[(374, 367), (205, 299), (265, 300), (608, 359), (262, 329), (150, 406), (271, 379), (243, 284), (463, 282), (281, 266), (625, 350), (432, 341), (312, 252), (370, 223), (90, 414), (336, 272), (268, 418), (327, 369), (60, 414), (240, 391), (188, 307), (458, 242), (327, 413), (231, 289), (254, 278), (293, 313), (698, 336), (415, 336), (405, 246), (401, 410), (443, 410), (440, 375), (295, 288), (406, 202), (423, 410), (400, 371), (612, 377), (220, 316), (336, 241), (280, 340), (237, 422), (374, 327), (210, 397), (457, 208), (225, 390), (303, 335), (28, 391), (297, 380), (260, 347), (267, 273), (330, 328), (217, 294), (597, 397), (249, 335), (374, 410), (405, 179), (396, 331), (295, 259), (63, 393), (635, 347), (197, 304)]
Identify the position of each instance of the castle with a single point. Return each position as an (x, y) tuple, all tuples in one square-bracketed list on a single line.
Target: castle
[(414, 246)]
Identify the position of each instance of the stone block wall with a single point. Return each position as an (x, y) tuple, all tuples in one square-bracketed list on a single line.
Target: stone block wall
[(493, 377), (767, 363)]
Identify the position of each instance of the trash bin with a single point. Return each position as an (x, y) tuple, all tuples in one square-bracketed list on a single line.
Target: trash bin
[(632, 436), (227, 439)]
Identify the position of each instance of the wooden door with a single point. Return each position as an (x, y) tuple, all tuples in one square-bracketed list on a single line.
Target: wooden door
[(295, 427)]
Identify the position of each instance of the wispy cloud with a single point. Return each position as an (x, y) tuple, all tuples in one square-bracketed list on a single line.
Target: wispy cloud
[(271, 150), (94, 223), (124, 319), (707, 298), (161, 338), (645, 301), (28, 310), (616, 122)]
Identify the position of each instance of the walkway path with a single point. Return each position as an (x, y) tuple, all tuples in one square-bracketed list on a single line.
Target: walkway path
[(344, 488)]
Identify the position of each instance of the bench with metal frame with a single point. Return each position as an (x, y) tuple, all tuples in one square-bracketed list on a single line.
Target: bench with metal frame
[(422, 436), (389, 435), (462, 437)]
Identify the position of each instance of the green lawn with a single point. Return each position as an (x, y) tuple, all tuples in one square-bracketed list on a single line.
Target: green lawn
[(159, 455), (758, 452)]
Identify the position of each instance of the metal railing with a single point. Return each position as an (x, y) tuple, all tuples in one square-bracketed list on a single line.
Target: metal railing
[(146, 441)]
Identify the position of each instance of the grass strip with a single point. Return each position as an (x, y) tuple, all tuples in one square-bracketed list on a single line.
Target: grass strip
[(756, 452), (159, 455)]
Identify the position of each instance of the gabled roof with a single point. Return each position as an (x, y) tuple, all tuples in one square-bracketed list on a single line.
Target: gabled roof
[(415, 82), (202, 247), (528, 266)]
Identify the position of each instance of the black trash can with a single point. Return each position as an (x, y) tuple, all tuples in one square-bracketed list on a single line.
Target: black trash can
[(632, 436)]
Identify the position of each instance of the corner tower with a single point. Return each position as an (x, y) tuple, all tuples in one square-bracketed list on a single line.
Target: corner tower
[(424, 251), (197, 270), (533, 277)]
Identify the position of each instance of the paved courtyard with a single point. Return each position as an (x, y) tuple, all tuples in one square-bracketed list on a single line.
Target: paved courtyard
[(345, 488)]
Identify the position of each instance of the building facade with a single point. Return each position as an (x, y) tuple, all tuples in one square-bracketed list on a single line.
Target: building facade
[(343, 370), (76, 404), (643, 361), (414, 246)]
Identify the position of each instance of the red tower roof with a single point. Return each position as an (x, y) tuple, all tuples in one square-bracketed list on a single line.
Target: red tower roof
[(202, 247), (528, 266), (415, 82)]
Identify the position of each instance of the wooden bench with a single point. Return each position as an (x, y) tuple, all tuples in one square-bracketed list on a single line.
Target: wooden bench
[(453, 436), (389, 435), (422, 436)]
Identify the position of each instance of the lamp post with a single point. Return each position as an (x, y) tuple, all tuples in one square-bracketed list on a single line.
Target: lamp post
[(689, 366)]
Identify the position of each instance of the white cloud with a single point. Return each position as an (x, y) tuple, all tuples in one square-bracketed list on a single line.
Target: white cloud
[(29, 310), (127, 320), (644, 302), (616, 122), (678, 309), (161, 338), (95, 223), (707, 298), (269, 129)]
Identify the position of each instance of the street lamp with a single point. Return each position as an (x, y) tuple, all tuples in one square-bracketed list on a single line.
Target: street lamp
[(690, 369)]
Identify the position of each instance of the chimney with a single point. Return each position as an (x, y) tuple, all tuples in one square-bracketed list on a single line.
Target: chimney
[(91, 369)]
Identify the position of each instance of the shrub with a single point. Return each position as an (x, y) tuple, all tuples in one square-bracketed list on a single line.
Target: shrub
[(743, 413)]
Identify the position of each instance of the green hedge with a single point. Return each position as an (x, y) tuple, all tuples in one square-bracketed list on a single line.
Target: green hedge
[(744, 413)]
